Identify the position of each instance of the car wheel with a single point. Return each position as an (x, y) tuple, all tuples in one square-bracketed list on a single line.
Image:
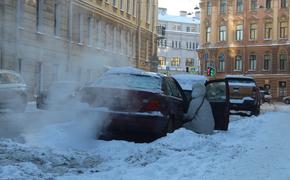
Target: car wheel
[(287, 101), (256, 112), (169, 127)]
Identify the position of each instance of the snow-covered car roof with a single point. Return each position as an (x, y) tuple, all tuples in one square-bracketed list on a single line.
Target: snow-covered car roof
[(187, 80), (286, 97), (131, 70), (238, 76)]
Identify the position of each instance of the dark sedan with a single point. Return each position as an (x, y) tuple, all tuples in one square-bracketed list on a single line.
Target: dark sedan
[(140, 104), (13, 91)]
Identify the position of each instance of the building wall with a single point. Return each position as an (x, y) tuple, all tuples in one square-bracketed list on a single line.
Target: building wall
[(212, 51), (187, 44), (75, 39)]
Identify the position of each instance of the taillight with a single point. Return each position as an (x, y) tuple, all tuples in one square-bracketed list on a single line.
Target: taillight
[(151, 105)]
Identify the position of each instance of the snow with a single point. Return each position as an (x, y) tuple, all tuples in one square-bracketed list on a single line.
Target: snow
[(187, 80), (253, 148)]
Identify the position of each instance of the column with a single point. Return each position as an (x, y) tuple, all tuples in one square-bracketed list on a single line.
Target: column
[(275, 6)]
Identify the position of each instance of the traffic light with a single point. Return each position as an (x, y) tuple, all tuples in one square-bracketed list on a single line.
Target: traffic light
[(210, 71)]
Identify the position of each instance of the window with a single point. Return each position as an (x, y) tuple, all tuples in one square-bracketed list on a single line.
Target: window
[(283, 61), (238, 63), (223, 33), (284, 3), (175, 62), (121, 4), (39, 15), (187, 29), (90, 31), (177, 27), (207, 37), (221, 66), (134, 8), (268, 31), (57, 19), (128, 6), (81, 29), (209, 8), (239, 32), (283, 29), (20, 11), (162, 61), (223, 6), (240, 6), (189, 62), (253, 31), (148, 15), (268, 4), (114, 3), (266, 62), (253, 62), (253, 5)]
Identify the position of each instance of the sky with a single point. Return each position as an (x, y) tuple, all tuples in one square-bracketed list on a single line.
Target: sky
[(174, 6)]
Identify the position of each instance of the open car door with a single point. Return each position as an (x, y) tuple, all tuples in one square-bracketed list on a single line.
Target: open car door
[(217, 93)]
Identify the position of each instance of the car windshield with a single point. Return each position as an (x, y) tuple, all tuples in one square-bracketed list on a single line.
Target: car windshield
[(130, 81), (8, 78)]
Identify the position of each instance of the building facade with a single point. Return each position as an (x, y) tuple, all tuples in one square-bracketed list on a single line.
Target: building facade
[(248, 37), (177, 48), (49, 40)]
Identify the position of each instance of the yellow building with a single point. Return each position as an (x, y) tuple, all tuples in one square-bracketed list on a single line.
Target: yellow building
[(48, 40), (249, 37)]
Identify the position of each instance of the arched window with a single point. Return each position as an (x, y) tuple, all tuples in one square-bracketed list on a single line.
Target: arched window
[(223, 33), (253, 62), (221, 59), (267, 62), (207, 37), (209, 6), (238, 63), (282, 60)]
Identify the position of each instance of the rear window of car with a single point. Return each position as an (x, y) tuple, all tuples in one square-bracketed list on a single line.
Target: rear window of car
[(9, 78), (241, 82), (135, 81)]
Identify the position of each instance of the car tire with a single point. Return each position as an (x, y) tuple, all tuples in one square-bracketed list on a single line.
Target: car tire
[(256, 112), (287, 101), (169, 128)]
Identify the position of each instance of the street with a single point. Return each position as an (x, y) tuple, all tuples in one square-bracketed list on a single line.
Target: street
[(253, 148)]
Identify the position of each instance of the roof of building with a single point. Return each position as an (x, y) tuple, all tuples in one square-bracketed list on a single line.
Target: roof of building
[(180, 19)]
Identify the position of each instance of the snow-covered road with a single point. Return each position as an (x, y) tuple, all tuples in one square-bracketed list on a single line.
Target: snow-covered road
[(253, 148)]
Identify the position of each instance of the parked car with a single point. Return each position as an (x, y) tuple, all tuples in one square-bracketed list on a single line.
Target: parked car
[(265, 95), (286, 99), (13, 91), (139, 104), (244, 94), (187, 80), (217, 95), (59, 95)]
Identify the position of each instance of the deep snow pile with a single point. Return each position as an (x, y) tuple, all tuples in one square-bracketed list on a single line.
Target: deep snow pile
[(253, 148)]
